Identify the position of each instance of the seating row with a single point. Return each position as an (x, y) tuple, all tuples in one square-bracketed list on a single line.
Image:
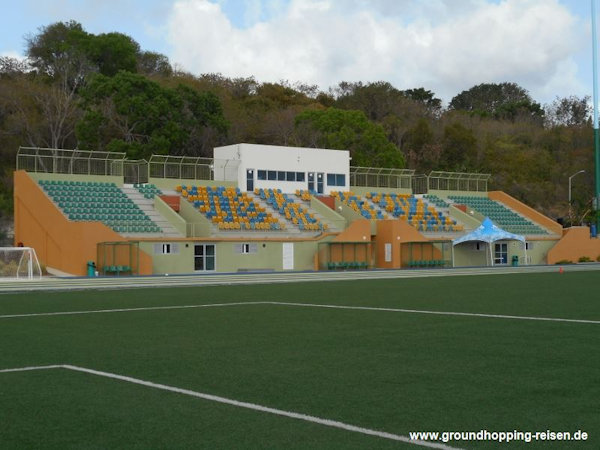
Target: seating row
[(230, 206), (420, 215), (148, 190), (292, 211), (101, 202), (359, 205), (347, 265), (499, 214)]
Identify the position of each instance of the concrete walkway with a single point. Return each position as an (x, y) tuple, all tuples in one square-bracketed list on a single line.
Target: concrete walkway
[(77, 283)]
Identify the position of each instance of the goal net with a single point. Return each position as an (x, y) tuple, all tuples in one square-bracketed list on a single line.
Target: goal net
[(19, 263)]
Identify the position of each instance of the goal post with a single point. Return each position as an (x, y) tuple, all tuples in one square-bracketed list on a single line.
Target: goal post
[(19, 263)]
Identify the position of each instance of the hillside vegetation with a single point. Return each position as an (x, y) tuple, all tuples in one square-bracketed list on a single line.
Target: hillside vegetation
[(103, 92)]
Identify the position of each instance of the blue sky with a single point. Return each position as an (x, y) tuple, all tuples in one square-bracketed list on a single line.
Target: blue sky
[(442, 45)]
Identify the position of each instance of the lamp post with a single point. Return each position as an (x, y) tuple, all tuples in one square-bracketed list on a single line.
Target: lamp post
[(570, 206)]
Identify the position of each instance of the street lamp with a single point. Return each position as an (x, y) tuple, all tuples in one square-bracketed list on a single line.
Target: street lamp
[(570, 206)]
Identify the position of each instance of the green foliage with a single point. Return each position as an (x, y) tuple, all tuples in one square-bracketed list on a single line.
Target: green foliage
[(88, 83), (132, 114), (349, 130), (152, 63), (497, 100), (112, 52), (563, 262), (460, 148), (61, 51), (584, 259), (426, 97)]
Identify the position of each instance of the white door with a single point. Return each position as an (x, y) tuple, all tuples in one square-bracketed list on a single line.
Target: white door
[(288, 256)]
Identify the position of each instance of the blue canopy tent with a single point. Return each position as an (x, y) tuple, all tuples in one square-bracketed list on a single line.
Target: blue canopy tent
[(490, 233)]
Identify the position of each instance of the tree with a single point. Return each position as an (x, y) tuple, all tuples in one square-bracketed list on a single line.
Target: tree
[(459, 148), (377, 100), (427, 98), (348, 130), (419, 146), (569, 111), (112, 52), (497, 100), (132, 114), (152, 63), (61, 51)]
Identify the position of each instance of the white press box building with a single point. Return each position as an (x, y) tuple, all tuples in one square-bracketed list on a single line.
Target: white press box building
[(254, 166)]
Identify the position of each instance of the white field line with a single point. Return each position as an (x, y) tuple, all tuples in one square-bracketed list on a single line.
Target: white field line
[(239, 404), (27, 369), (305, 305), (441, 313), (146, 308)]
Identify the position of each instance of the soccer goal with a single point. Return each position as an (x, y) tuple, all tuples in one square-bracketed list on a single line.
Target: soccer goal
[(19, 263)]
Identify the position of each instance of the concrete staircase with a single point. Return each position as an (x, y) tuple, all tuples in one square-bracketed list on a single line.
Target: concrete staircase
[(290, 226), (147, 206)]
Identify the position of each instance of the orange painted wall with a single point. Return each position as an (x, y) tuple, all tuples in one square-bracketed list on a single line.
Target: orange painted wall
[(357, 230), (575, 243), (58, 242), (388, 232), (526, 211), (395, 232)]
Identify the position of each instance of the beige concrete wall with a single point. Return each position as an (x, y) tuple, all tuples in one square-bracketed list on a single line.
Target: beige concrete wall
[(337, 220), (269, 256), (469, 221), (197, 223), (172, 183), (465, 255), (445, 194), (70, 177), (170, 215), (362, 191)]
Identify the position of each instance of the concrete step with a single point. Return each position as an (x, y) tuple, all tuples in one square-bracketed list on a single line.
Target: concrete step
[(147, 206)]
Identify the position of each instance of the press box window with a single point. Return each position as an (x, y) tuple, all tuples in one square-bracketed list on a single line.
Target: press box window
[(261, 174), (299, 176), (165, 249), (281, 176), (245, 249), (336, 179), (272, 175)]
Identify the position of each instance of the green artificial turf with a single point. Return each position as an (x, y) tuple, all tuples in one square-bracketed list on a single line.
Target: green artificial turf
[(389, 371)]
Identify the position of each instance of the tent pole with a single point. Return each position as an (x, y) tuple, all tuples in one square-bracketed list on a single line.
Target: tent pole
[(453, 256)]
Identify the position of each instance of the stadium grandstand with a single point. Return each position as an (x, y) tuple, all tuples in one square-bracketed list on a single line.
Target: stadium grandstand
[(267, 208)]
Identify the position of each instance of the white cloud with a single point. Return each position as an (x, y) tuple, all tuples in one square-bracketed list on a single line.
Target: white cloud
[(443, 45)]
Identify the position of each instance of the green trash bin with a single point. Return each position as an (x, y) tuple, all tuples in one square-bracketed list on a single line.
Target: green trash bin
[(91, 269), (515, 260)]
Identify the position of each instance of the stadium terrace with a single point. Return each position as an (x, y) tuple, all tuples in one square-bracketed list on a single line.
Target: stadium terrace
[(254, 208)]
